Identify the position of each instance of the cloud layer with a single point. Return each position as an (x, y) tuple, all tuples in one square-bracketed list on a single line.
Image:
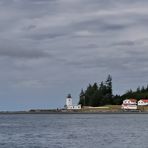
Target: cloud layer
[(49, 48)]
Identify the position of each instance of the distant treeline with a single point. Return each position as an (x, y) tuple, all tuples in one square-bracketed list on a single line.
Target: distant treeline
[(101, 94), (97, 95)]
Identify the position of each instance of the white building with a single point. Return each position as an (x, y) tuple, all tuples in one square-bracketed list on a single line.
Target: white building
[(143, 102), (69, 100), (129, 104), (69, 104)]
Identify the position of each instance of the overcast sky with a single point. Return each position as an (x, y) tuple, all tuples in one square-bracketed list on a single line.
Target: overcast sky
[(49, 48)]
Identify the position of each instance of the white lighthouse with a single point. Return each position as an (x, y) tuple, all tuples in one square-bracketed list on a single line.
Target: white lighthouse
[(69, 104)]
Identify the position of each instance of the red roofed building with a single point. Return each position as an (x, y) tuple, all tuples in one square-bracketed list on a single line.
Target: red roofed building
[(143, 102), (129, 104)]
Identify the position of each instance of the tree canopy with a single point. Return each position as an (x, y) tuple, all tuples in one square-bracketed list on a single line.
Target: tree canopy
[(102, 94), (97, 95)]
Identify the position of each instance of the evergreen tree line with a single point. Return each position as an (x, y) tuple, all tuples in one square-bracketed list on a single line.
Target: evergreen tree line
[(97, 95), (140, 93), (101, 94)]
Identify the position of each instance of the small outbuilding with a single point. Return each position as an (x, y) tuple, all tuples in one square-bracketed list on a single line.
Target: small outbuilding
[(143, 102)]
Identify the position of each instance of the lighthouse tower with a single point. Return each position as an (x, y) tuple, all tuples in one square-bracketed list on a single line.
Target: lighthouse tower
[(69, 102)]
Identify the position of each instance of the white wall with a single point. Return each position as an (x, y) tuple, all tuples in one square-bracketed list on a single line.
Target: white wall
[(74, 107), (69, 107), (68, 101), (77, 107), (129, 106), (140, 102)]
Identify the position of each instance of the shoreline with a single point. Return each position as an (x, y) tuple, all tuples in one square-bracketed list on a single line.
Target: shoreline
[(37, 113), (110, 109)]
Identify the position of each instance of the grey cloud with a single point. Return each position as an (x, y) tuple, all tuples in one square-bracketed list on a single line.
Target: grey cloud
[(40, 1), (23, 53), (42, 36), (88, 46), (113, 27), (124, 43), (29, 27), (100, 25), (121, 61), (48, 44), (20, 52)]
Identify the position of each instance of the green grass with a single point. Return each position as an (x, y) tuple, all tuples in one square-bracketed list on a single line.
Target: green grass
[(112, 108)]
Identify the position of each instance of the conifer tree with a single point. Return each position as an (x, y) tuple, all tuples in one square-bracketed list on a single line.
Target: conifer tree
[(82, 98)]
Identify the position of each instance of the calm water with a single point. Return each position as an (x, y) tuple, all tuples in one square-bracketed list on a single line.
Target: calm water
[(74, 131)]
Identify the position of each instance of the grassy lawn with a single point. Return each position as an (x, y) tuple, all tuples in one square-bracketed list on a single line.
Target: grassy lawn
[(112, 108)]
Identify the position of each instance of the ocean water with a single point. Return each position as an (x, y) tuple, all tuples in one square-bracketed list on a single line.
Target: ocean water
[(74, 131)]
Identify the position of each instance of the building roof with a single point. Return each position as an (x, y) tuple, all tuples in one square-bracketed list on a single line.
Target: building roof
[(133, 100), (144, 100)]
